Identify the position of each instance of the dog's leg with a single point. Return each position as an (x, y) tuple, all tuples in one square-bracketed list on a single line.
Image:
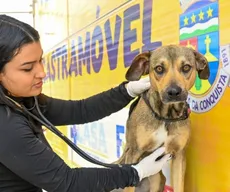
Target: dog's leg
[(130, 159), (143, 186), (178, 171), (117, 190), (157, 182), (130, 156), (154, 183), (129, 189)]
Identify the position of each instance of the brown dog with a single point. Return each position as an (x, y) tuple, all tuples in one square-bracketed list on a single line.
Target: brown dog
[(160, 116)]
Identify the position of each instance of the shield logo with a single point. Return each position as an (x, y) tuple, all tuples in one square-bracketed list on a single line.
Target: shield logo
[(199, 29)]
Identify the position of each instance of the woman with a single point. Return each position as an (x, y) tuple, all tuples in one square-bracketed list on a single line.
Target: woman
[(27, 162)]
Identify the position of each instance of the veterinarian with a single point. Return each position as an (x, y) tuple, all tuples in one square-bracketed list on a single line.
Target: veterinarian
[(27, 162)]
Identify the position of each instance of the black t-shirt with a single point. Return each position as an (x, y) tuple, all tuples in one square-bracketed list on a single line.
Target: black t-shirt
[(27, 162)]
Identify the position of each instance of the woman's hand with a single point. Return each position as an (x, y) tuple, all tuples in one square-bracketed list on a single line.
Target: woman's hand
[(135, 88), (150, 165)]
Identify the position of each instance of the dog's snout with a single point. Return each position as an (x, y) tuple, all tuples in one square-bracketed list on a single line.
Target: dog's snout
[(174, 91)]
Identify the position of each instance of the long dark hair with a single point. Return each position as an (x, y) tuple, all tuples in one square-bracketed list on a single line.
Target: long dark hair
[(13, 35)]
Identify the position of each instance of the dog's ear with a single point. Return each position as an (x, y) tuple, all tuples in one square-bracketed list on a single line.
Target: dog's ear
[(139, 67), (202, 65)]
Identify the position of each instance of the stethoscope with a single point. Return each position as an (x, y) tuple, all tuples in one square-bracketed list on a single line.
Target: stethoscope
[(52, 128)]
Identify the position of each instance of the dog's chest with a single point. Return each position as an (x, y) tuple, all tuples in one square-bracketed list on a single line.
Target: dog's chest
[(160, 135)]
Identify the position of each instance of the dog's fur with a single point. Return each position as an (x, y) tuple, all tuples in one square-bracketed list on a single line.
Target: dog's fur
[(171, 78)]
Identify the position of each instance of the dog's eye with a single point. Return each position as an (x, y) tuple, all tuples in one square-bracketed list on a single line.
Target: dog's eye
[(159, 69), (186, 68)]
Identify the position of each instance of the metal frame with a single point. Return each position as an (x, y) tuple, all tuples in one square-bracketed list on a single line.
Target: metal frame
[(32, 5)]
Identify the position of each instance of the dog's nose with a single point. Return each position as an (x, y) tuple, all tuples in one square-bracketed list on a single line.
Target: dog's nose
[(174, 91)]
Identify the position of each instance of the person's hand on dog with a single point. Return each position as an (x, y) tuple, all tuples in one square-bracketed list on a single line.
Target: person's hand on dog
[(135, 88), (150, 165)]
